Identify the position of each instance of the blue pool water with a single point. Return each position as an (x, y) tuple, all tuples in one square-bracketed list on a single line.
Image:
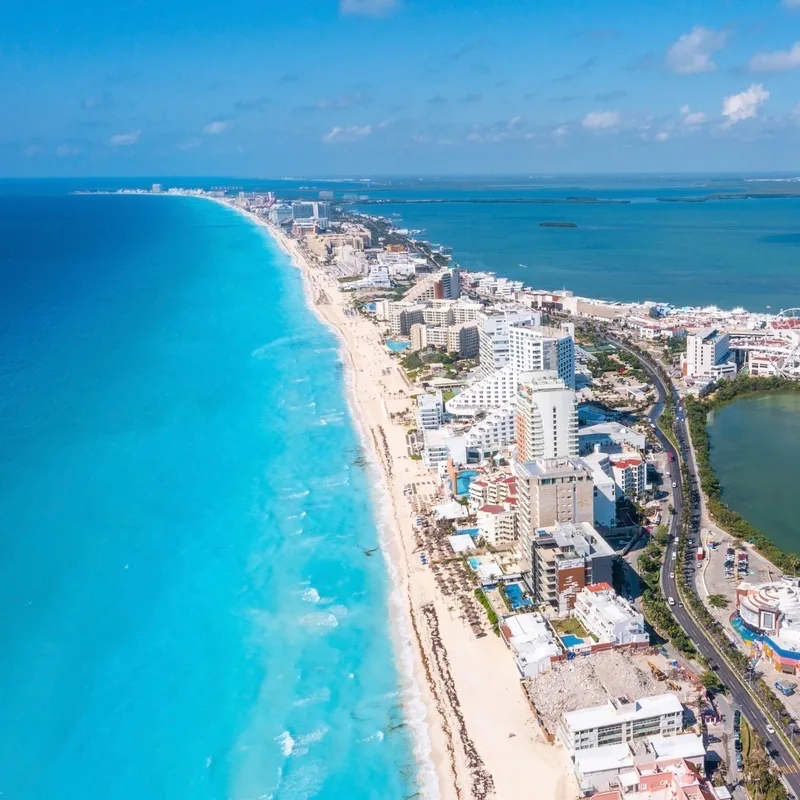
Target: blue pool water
[(474, 562), (473, 532), (570, 640), (515, 595), (187, 611), (463, 480), (396, 346)]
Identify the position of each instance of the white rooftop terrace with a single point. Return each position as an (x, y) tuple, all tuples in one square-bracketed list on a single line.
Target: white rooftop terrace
[(615, 712)]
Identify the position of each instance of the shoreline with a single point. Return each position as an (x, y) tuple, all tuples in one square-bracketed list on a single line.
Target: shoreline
[(478, 737)]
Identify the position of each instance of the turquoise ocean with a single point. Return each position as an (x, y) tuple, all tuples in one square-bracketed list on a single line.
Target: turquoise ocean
[(187, 607)]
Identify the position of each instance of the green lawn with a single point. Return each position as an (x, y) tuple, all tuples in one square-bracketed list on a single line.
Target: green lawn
[(570, 626)]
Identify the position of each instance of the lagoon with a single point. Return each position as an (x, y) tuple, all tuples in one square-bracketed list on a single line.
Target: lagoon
[(755, 443)]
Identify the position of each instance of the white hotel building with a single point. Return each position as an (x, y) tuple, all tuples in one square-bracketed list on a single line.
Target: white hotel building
[(619, 721), (609, 617)]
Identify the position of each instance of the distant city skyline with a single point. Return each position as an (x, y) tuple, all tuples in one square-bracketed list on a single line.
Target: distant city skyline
[(399, 87)]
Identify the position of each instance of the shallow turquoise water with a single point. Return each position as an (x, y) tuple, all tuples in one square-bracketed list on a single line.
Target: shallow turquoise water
[(186, 607), (755, 444)]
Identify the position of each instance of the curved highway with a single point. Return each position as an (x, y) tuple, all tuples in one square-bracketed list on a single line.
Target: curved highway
[(740, 693)]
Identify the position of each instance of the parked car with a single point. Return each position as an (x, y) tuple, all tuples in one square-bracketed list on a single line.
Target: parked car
[(770, 729)]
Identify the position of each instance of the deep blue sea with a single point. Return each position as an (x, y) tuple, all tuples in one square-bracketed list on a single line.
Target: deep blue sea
[(186, 606)]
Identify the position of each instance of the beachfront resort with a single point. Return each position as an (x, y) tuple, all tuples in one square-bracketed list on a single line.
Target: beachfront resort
[(528, 472)]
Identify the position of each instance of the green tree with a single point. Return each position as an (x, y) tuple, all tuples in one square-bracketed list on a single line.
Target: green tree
[(717, 601), (711, 682)]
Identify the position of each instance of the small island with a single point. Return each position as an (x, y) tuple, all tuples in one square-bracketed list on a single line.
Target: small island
[(558, 225)]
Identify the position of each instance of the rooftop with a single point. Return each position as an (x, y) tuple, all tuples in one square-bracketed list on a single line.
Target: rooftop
[(619, 710), (580, 537)]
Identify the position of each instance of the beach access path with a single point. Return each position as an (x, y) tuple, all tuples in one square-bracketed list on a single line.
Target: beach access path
[(484, 739)]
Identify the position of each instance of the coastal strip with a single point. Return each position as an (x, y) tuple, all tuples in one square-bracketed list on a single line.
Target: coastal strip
[(478, 734)]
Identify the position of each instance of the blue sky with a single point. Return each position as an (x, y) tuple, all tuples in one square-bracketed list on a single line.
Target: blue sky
[(356, 87)]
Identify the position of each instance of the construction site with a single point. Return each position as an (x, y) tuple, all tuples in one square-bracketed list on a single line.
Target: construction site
[(585, 682)]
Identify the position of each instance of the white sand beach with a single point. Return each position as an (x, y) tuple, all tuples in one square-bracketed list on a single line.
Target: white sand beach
[(484, 740)]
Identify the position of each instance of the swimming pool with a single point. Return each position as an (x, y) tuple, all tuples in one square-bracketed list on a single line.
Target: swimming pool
[(463, 480), (474, 562), (473, 532), (571, 640), (397, 347), (514, 593)]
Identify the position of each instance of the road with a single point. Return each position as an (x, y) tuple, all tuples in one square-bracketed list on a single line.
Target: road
[(739, 692)]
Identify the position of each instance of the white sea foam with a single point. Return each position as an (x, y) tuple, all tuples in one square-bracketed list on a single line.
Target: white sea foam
[(320, 696), (303, 783), (311, 595), (315, 736), (338, 611), (307, 782), (298, 495), (301, 515), (334, 481), (378, 736), (286, 743), (320, 620), (261, 352)]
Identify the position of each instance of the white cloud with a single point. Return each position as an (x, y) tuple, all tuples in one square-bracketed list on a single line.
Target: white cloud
[(368, 8), (216, 127), (347, 134), (124, 139), (693, 117), (692, 52), (601, 120), (560, 131), (662, 136), (67, 150), (743, 105), (778, 61)]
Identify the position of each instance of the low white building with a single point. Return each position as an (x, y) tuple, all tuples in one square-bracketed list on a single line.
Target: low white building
[(430, 410), (531, 641), (620, 720), (610, 437), (610, 618), (441, 444), (599, 769)]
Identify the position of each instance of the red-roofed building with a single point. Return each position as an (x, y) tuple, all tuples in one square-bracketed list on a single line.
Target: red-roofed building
[(491, 489), (673, 779), (630, 473), (497, 523)]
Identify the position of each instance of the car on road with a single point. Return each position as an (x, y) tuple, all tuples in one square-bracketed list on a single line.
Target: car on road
[(671, 601), (770, 729), (674, 485), (671, 575)]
